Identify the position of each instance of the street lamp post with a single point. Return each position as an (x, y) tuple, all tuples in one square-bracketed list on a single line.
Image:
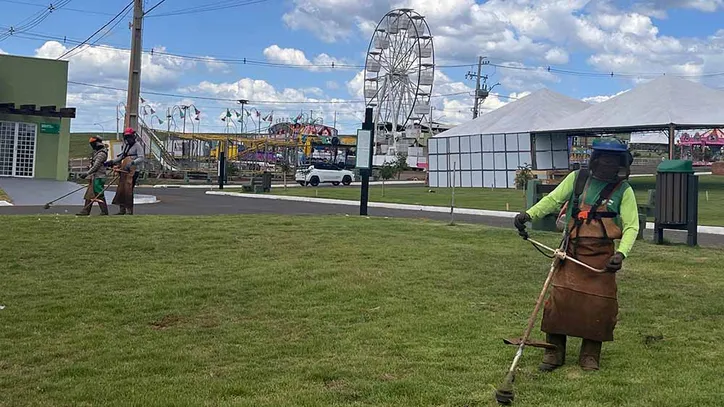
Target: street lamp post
[(243, 103), (103, 130)]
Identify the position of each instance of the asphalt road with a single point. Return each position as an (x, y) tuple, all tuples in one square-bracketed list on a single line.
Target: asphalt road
[(194, 202)]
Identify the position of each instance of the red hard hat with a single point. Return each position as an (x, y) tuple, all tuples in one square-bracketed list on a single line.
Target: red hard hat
[(128, 131)]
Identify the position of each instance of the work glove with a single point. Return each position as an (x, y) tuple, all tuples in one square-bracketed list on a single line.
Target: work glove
[(108, 163), (520, 220), (84, 175), (615, 262)]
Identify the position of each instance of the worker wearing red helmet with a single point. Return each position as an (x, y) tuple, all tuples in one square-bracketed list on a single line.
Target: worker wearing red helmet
[(127, 163)]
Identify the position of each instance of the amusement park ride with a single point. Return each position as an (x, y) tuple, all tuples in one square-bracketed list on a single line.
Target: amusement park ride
[(295, 143), (398, 79), (699, 146)]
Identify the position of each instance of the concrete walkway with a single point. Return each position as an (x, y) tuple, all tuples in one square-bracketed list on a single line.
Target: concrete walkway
[(38, 192), (713, 230)]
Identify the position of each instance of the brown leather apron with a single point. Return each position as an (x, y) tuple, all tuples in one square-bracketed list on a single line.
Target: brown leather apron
[(583, 303), (124, 192)]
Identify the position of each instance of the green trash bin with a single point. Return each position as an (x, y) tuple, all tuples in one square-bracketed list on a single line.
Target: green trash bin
[(677, 200)]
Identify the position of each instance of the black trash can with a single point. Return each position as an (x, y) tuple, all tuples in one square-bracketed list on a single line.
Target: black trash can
[(677, 200), (266, 181)]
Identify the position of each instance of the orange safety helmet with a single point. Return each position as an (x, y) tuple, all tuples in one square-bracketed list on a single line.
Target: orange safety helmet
[(95, 139)]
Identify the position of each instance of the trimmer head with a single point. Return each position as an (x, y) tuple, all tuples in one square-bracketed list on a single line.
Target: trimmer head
[(504, 393), (504, 398)]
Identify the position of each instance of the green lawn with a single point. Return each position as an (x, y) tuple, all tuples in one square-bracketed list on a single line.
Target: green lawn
[(335, 311), (711, 211)]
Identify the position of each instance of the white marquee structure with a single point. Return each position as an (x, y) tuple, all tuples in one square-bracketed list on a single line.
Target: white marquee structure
[(537, 130)]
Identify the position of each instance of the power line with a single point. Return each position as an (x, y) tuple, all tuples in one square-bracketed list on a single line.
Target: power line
[(25, 3), (269, 102), (34, 20), (97, 31), (152, 8), (222, 5), (342, 66)]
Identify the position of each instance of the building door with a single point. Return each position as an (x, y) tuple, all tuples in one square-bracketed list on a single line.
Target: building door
[(17, 149)]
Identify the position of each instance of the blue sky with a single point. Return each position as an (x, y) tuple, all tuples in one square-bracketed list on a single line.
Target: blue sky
[(637, 39)]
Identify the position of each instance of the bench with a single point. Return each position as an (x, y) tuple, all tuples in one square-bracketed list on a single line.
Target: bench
[(646, 210), (258, 184), (197, 175)]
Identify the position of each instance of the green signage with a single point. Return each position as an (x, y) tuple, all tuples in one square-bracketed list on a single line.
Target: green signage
[(50, 128)]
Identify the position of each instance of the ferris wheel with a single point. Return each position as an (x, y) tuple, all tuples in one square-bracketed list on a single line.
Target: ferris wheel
[(399, 72)]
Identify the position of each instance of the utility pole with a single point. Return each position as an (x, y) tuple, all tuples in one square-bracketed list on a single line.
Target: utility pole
[(481, 92), (134, 71)]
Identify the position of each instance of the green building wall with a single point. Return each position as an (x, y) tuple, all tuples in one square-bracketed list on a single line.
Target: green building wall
[(40, 82)]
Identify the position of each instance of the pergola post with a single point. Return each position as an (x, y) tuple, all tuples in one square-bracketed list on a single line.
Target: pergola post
[(672, 136)]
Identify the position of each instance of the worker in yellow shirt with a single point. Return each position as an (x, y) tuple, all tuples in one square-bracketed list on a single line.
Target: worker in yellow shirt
[(601, 207)]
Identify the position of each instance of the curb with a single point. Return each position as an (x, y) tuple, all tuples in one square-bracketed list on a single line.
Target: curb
[(709, 230), (291, 184)]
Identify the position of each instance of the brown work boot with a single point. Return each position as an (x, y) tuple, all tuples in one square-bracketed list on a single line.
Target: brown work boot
[(86, 209), (590, 355), (129, 210), (554, 358), (121, 211), (104, 208)]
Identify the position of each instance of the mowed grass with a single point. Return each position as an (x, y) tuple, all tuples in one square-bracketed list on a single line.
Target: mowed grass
[(335, 311), (711, 209)]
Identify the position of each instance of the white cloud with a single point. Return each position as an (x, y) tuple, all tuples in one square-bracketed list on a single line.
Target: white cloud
[(287, 102), (617, 36), (293, 56), (107, 65), (331, 85), (3, 52), (602, 98)]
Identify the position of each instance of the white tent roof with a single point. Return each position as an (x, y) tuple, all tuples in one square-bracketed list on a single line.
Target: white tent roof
[(527, 114), (658, 103)]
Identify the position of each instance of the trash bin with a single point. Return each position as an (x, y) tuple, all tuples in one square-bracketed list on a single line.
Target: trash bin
[(266, 181), (677, 200), (535, 190)]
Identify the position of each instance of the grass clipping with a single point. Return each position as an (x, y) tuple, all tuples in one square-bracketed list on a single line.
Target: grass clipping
[(271, 311), (4, 196)]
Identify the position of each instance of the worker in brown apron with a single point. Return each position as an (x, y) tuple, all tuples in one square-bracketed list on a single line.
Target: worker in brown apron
[(600, 208), (97, 174), (126, 163)]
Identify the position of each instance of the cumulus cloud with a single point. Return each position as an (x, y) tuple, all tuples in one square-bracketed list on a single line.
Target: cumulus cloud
[(293, 56), (618, 37), (110, 65)]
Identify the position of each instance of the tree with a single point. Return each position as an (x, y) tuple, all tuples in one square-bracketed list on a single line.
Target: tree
[(387, 171), (400, 164), (285, 169)]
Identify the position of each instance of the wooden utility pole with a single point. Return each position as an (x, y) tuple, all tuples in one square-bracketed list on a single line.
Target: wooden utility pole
[(134, 70)]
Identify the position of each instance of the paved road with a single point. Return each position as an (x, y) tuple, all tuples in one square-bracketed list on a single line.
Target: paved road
[(196, 202)]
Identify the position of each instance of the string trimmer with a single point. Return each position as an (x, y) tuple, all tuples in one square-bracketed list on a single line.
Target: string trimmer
[(47, 205), (504, 393)]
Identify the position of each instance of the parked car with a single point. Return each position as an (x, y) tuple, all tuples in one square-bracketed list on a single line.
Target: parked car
[(319, 173)]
